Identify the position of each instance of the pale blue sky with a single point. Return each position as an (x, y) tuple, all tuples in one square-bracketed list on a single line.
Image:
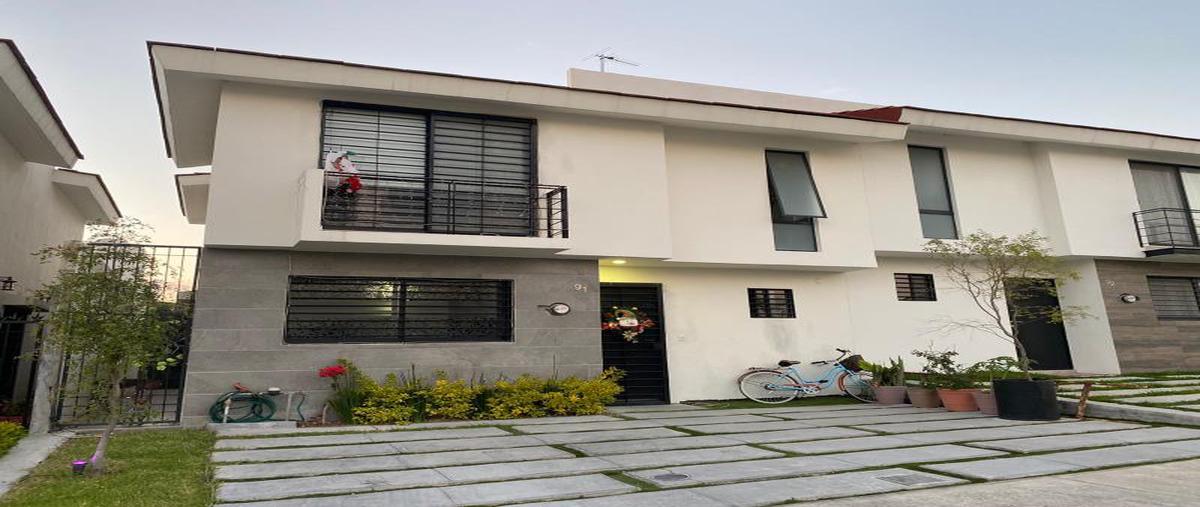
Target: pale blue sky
[(1133, 65)]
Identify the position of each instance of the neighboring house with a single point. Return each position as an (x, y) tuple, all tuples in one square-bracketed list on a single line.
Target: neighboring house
[(42, 202), (749, 226)]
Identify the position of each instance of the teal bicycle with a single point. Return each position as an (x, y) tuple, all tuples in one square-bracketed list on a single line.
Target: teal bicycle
[(784, 384)]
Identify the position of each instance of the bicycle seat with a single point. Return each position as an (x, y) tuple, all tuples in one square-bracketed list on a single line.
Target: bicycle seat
[(785, 363)]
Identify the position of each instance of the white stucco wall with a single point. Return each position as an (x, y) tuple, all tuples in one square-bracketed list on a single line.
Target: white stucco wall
[(33, 213)]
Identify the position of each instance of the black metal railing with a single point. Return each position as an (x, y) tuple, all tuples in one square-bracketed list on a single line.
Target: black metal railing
[(1167, 227), (446, 206)]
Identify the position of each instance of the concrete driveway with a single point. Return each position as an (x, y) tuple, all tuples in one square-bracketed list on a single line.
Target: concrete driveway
[(671, 455)]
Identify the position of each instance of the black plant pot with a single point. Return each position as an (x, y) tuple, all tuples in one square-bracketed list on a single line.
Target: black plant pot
[(1026, 400)]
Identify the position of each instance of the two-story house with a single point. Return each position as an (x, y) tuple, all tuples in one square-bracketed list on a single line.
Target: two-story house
[(42, 202), (423, 221)]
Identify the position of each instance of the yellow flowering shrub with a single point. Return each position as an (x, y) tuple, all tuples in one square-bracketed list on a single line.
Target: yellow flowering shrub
[(452, 399), (576, 396), (517, 398)]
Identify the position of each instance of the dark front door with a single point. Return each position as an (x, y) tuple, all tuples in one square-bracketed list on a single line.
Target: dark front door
[(1032, 303), (644, 361), (12, 337)]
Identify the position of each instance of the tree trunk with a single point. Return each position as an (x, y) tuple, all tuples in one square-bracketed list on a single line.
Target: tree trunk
[(1022, 358), (114, 414)]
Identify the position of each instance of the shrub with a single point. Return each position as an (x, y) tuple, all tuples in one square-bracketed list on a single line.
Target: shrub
[(10, 434), (386, 403), (576, 396), (349, 386), (452, 399), (522, 397)]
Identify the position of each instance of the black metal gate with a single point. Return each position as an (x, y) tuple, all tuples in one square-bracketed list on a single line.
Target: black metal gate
[(150, 396), (19, 340), (644, 361)]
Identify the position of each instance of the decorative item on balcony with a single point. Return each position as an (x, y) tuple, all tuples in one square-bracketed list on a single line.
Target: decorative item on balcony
[(346, 173), (630, 321)]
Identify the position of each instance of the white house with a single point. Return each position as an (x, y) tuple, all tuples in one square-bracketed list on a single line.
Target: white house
[(747, 226), (42, 202)]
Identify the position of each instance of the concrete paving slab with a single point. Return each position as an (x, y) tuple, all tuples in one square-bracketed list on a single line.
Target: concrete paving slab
[(609, 435), (796, 435), (1007, 432), (791, 412), (721, 473), (353, 451), (689, 456), (883, 410), (899, 418), (772, 491), (625, 424), (1190, 407), (1176, 398), (358, 438), (747, 427), (256, 429), (1159, 485), (843, 445), (1126, 455), (384, 463), (637, 409), (1139, 392), (328, 485), (662, 444), (1083, 440), (471, 494), (1173, 382), (954, 424), (26, 455), (925, 454), (1004, 468)]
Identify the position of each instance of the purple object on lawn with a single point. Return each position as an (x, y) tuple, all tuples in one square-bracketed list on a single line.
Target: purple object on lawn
[(79, 465)]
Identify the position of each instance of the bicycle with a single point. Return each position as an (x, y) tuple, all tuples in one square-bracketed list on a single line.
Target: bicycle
[(784, 384)]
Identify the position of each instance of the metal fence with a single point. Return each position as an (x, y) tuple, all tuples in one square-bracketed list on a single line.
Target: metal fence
[(150, 396), (19, 341)]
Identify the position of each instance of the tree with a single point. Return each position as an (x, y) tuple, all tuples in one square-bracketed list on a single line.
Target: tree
[(996, 271), (104, 309)]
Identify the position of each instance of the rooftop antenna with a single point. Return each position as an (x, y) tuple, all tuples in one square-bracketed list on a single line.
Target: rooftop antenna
[(606, 55)]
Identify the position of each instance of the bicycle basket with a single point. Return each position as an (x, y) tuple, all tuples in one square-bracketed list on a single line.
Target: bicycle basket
[(852, 363)]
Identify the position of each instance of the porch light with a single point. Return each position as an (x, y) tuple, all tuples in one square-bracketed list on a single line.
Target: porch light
[(619, 261), (7, 283)]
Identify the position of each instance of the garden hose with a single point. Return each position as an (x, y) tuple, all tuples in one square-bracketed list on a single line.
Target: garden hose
[(256, 407)]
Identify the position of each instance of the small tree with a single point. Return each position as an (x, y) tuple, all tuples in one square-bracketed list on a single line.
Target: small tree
[(995, 269), (104, 309)]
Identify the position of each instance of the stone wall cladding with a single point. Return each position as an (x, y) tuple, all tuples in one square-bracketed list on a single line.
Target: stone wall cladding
[(1143, 342), (240, 316)]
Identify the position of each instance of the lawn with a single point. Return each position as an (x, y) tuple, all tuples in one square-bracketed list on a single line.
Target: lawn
[(811, 401), (146, 468)]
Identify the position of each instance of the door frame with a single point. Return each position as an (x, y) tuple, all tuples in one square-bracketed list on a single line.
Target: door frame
[(662, 326)]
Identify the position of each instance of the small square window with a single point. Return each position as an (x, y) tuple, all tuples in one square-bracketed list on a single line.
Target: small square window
[(915, 287), (771, 304)]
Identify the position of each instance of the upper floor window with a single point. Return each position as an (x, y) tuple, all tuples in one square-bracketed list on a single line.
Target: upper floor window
[(431, 171), (323, 309), (933, 192), (794, 201), (771, 304), (1167, 195)]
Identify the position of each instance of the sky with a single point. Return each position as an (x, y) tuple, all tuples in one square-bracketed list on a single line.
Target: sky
[(1131, 65)]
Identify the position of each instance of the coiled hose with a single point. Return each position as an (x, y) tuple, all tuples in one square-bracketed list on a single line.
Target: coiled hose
[(244, 408)]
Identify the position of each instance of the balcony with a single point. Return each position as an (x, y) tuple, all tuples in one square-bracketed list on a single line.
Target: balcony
[(1166, 231), (418, 204)]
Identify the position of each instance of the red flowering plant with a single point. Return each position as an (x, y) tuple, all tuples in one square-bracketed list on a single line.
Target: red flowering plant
[(348, 393), (630, 321)]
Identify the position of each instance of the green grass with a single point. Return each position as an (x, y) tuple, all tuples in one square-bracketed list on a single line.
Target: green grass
[(814, 401), (146, 468)]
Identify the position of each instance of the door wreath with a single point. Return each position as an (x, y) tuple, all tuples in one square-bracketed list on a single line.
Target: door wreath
[(630, 321)]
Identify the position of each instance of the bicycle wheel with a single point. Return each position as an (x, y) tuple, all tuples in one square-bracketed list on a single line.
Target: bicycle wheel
[(767, 386), (860, 386)]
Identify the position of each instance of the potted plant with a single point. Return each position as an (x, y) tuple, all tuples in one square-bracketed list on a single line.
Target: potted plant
[(890, 387), (924, 395), (955, 385), (1002, 367), (1008, 279)]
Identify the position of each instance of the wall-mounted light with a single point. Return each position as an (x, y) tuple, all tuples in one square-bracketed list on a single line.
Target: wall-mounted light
[(7, 283), (556, 309), (1129, 298), (619, 261)]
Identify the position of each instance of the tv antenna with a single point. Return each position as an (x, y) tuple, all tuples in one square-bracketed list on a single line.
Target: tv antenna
[(605, 55)]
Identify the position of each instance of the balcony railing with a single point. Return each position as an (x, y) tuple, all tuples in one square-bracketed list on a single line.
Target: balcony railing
[(1167, 227), (445, 206)]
